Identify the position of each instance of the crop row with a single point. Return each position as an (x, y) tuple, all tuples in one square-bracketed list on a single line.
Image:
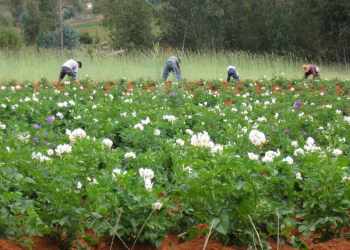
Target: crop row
[(144, 162)]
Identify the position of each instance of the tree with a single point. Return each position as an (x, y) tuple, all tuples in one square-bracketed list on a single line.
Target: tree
[(52, 39), (49, 18), (16, 8), (80, 6), (197, 24), (10, 38), (6, 20), (32, 24), (335, 24), (129, 23)]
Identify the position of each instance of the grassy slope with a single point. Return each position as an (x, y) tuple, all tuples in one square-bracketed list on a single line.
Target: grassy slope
[(91, 25)]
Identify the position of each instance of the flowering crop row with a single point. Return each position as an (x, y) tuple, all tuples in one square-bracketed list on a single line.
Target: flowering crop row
[(77, 158)]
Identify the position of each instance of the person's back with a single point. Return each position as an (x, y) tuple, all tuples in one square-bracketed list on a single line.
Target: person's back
[(172, 65), (175, 60), (310, 69), (232, 71), (70, 68), (73, 65)]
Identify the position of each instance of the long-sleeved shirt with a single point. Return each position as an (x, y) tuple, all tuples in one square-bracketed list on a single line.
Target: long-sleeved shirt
[(73, 65), (312, 71), (175, 60)]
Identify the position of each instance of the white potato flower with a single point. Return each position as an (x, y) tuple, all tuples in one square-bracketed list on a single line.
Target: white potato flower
[(180, 142), (107, 142), (138, 126), (253, 156), (298, 176), (257, 138), (289, 160), (145, 122), (337, 152), (157, 206), (130, 155)]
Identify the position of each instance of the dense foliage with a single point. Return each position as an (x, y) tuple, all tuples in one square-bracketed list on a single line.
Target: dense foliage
[(10, 39), (168, 158), (311, 29), (52, 39), (131, 28)]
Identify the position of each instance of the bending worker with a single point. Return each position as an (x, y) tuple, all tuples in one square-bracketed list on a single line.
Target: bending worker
[(70, 68), (172, 65), (310, 69), (231, 71)]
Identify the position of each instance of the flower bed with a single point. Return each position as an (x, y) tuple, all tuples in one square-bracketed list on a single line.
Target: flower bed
[(273, 159)]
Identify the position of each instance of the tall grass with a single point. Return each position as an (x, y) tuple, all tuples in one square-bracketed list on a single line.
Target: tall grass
[(32, 64)]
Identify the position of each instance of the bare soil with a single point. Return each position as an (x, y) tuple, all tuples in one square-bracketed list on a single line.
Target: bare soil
[(171, 242)]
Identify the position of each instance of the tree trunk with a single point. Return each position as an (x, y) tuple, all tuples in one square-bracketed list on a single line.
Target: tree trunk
[(183, 42), (319, 51), (336, 51), (61, 27), (212, 40), (344, 53)]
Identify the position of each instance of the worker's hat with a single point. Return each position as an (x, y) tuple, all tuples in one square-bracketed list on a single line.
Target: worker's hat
[(306, 68)]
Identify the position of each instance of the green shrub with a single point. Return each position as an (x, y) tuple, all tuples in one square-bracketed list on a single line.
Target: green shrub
[(53, 38), (6, 20), (85, 38), (69, 14), (96, 9), (10, 39)]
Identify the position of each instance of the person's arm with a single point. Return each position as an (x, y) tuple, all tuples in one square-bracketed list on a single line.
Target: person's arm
[(179, 69), (76, 68)]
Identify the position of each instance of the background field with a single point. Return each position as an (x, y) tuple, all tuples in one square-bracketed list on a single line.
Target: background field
[(31, 64)]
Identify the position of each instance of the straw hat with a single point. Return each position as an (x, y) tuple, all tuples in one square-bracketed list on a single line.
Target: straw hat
[(306, 68)]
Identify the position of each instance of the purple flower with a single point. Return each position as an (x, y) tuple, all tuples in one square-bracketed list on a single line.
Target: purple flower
[(35, 140), (50, 119), (287, 132), (182, 89), (297, 105), (46, 143), (172, 94), (13, 132), (36, 126)]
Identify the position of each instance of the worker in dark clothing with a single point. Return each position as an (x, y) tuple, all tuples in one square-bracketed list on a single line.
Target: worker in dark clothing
[(172, 65), (231, 71), (310, 69)]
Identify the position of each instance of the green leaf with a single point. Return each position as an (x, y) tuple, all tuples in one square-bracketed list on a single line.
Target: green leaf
[(193, 232), (135, 223), (240, 184), (222, 228), (286, 229), (299, 244), (19, 177), (33, 222), (29, 180), (10, 196), (302, 228)]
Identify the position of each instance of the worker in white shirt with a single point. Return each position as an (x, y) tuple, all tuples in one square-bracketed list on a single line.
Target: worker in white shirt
[(70, 68), (231, 71)]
